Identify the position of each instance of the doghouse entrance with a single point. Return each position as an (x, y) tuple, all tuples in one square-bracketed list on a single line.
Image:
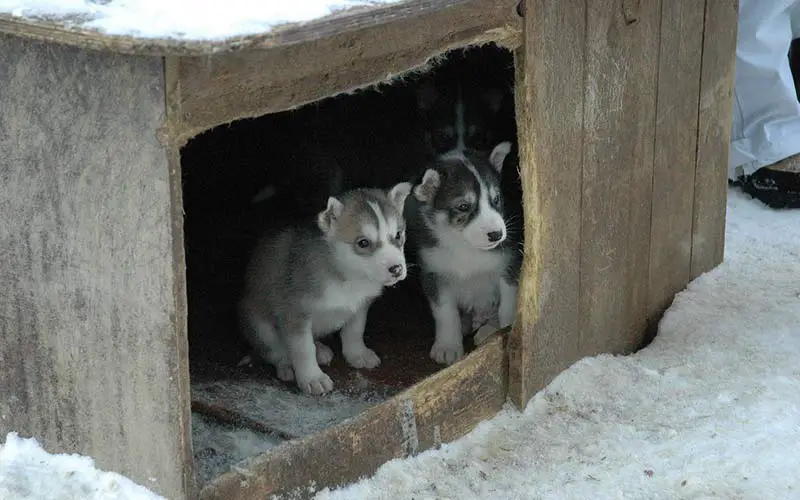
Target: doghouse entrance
[(238, 176)]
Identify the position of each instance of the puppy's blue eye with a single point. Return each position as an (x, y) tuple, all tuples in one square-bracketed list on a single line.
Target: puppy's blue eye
[(463, 207), (399, 235), (496, 199), (362, 243)]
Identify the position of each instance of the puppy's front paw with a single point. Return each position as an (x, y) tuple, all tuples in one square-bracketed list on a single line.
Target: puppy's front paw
[(447, 354), (324, 354), (363, 358), (315, 383)]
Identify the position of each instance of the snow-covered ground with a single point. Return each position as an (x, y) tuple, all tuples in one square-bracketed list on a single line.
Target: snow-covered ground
[(29, 473), (209, 19), (711, 409)]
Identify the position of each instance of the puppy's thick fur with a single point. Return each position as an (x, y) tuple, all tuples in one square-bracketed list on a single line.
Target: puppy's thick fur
[(308, 280), (459, 235)]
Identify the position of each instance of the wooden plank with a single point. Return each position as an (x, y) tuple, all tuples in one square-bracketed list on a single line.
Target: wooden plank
[(217, 90), (713, 135), (442, 408), (181, 331), (675, 151), (452, 402), (619, 126), (91, 337), (550, 78), (180, 299), (67, 30), (334, 456)]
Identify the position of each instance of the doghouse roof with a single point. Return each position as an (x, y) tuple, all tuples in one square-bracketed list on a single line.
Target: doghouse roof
[(105, 25), (218, 80)]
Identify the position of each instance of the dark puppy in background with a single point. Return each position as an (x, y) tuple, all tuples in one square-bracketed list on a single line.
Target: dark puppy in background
[(467, 103)]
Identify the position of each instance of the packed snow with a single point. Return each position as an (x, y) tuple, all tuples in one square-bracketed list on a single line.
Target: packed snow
[(710, 409), (29, 473), (209, 19)]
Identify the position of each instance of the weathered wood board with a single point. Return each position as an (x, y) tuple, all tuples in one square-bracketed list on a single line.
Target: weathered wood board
[(619, 105), (673, 196), (549, 96), (217, 90), (238, 418), (713, 133), (623, 157), (92, 347)]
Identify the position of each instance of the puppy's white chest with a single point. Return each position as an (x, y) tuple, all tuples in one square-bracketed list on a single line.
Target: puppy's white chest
[(347, 295), (462, 263), (470, 274), (338, 303)]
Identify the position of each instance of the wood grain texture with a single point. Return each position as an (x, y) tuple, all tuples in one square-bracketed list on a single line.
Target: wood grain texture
[(217, 90), (63, 30), (91, 346), (337, 455), (550, 90), (675, 151), (619, 124), (451, 402), (440, 409), (713, 135), (180, 332), (179, 283)]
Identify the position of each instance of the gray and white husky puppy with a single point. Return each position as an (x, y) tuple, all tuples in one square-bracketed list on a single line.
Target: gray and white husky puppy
[(458, 233), (311, 279)]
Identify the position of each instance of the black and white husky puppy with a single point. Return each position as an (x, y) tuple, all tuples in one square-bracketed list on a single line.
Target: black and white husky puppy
[(460, 238), (311, 279), (459, 115), (467, 103)]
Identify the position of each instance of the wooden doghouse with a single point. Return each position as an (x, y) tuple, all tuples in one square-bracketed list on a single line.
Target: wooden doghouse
[(623, 112)]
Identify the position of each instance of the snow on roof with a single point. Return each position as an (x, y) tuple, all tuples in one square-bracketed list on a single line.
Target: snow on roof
[(195, 20)]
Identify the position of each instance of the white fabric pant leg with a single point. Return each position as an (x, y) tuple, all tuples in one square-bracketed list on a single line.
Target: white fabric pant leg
[(766, 113)]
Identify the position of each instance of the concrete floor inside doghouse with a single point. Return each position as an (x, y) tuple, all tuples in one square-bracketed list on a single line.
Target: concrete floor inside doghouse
[(241, 409)]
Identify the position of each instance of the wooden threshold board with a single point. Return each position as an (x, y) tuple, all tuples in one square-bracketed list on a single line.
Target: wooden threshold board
[(357, 428)]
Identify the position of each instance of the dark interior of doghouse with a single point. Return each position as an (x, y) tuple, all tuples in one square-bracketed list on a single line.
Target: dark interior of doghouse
[(239, 406)]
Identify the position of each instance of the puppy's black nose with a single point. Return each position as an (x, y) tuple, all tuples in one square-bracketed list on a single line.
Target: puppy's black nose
[(396, 270), (494, 236)]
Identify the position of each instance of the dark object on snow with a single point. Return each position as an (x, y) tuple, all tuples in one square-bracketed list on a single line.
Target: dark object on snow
[(774, 188)]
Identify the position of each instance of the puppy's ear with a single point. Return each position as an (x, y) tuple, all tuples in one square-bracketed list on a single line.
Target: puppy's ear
[(498, 155), (398, 195), (326, 220), (426, 189)]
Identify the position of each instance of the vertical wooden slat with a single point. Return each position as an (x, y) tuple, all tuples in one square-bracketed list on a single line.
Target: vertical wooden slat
[(675, 151), (619, 113), (550, 109), (714, 129), (90, 347), (170, 137)]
